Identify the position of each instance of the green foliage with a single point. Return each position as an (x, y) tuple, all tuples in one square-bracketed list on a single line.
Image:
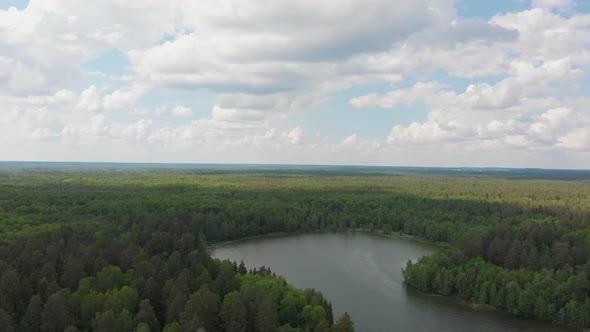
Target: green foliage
[(143, 327), (56, 313), (266, 315), (313, 315), (147, 316), (31, 321), (172, 327), (201, 310), (124, 259), (113, 248), (233, 313), (557, 296), (238, 204), (116, 322), (344, 324)]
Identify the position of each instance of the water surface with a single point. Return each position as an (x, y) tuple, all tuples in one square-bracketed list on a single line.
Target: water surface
[(361, 274)]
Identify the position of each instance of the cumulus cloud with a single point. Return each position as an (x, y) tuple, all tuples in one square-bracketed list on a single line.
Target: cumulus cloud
[(124, 99), (503, 113), (515, 82), (532, 108), (90, 100), (120, 100), (577, 140), (350, 140), (140, 130), (295, 135), (396, 97), (48, 41), (41, 125)]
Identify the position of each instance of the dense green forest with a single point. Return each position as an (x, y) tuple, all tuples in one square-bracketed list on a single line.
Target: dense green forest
[(123, 248), (118, 256)]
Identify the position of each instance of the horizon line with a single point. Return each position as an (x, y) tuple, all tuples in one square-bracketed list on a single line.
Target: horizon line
[(291, 165)]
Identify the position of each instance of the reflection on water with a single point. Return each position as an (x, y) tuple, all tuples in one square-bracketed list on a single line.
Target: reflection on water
[(361, 274)]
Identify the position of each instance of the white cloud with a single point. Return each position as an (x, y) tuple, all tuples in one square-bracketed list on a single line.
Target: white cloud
[(532, 108), (350, 140), (544, 35), (120, 100), (140, 130), (306, 30), (396, 97), (99, 125), (49, 39), (295, 135), (577, 140), (500, 114), (90, 100), (418, 133), (513, 83), (123, 100), (41, 125), (233, 115)]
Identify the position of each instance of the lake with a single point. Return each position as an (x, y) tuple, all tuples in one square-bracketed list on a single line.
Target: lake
[(361, 274)]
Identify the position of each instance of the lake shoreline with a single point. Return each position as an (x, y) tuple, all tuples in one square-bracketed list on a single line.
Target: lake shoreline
[(488, 308), (475, 308), (393, 235)]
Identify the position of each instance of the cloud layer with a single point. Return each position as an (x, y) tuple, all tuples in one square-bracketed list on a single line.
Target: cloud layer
[(259, 82)]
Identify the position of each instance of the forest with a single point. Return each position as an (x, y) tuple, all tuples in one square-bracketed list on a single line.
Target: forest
[(125, 249), (103, 257)]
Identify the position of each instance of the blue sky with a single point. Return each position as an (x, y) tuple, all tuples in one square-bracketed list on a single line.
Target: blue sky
[(431, 83), (20, 4)]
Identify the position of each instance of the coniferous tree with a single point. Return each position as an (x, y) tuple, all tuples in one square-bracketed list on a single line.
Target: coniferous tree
[(146, 315), (233, 314), (344, 324), (6, 324), (56, 312), (242, 268), (33, 317), (266, 315), (73, 272)]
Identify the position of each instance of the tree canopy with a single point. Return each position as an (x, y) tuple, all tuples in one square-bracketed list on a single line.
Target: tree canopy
[(126, 249)]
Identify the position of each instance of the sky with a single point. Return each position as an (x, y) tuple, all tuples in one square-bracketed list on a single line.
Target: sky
[(342, 82)]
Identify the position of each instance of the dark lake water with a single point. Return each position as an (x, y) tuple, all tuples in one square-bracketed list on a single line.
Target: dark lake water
[(361, 274)]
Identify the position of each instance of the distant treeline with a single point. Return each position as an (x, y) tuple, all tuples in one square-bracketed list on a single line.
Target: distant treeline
[(286, 169), (514, 230)]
